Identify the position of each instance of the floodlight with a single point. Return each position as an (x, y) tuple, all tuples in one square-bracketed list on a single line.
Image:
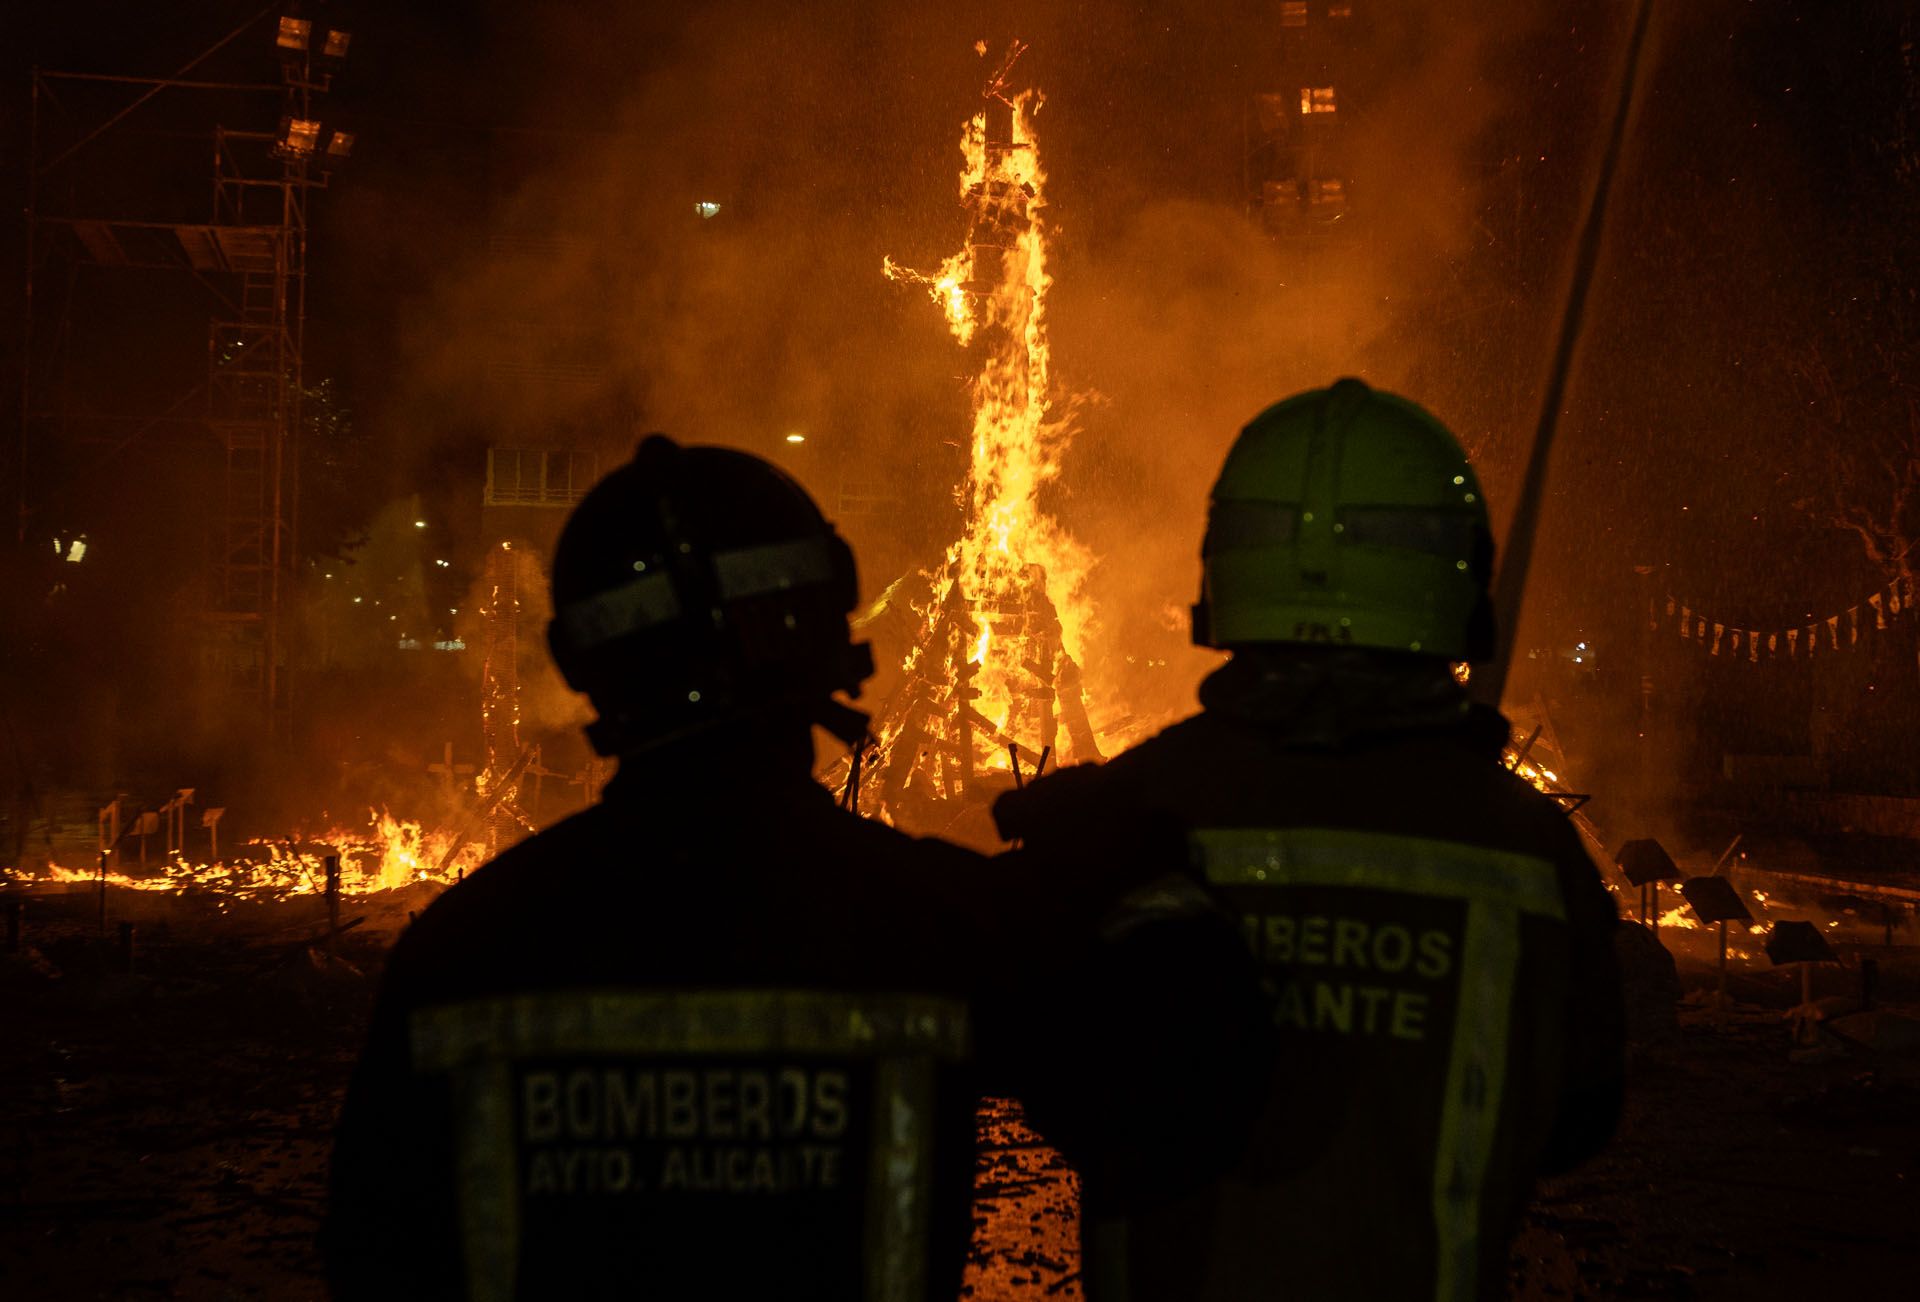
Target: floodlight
[(335, 46), (706, 209), (299, 137), (339, 146), (294, 33)]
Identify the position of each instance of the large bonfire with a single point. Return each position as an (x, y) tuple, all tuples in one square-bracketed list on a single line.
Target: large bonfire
[(992, 682)]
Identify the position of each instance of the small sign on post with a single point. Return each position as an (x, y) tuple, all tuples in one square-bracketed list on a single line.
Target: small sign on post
[(176, 812), (1646, 864), (1714, 901), (448, 770), (210, 819), (147, 825), (109, 828), (1802, 943)]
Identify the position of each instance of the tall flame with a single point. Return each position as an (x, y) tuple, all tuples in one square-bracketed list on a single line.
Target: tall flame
[(1008, 620)]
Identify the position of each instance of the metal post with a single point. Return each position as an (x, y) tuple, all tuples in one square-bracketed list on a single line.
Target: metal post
[(26, 314), (1723, 963), (1511, 582), (333, 902), (1642, 751), (103, 892)]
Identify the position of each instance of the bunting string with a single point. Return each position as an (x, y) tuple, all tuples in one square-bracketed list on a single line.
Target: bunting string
[(1839, 631)]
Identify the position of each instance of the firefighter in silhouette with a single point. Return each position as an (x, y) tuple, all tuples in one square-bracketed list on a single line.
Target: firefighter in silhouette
[(714, 1037), (1452, 1020)]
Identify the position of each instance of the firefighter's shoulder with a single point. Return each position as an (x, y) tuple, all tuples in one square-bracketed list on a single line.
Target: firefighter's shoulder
[(501, 889), (1085, 798)]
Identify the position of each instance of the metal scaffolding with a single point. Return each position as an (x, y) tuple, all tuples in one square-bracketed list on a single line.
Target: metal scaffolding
[(250, 257), (254, 378)]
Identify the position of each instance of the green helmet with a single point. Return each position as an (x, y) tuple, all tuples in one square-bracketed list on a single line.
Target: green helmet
[(1348, 517)]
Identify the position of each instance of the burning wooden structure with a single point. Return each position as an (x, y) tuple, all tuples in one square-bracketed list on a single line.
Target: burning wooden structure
[(993, 681)]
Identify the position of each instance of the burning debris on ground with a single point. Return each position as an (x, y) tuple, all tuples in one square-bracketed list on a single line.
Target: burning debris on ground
[(296, 439)]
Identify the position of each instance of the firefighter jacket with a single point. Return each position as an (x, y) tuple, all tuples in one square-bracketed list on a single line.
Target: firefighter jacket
[(1447, 1000), (712, 1038)]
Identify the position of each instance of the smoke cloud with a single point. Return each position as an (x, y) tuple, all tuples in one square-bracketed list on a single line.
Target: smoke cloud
[(827, 136)]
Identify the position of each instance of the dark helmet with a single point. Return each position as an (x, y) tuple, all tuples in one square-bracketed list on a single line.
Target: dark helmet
[(694, 586)]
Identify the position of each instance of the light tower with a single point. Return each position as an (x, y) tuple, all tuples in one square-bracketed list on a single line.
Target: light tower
[(255, 357)]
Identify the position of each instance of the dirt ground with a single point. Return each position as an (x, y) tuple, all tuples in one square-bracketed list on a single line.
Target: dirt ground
[(164, 1134)]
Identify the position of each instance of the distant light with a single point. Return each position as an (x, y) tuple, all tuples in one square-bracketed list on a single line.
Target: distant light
[(76, 550), (441, 564), (419, 524), (706, 209), (356, 601), (335, 46), (58, 547), (294, 33), (796, 438)]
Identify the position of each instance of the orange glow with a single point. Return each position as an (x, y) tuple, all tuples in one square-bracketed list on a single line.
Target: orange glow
[(386, 854)]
